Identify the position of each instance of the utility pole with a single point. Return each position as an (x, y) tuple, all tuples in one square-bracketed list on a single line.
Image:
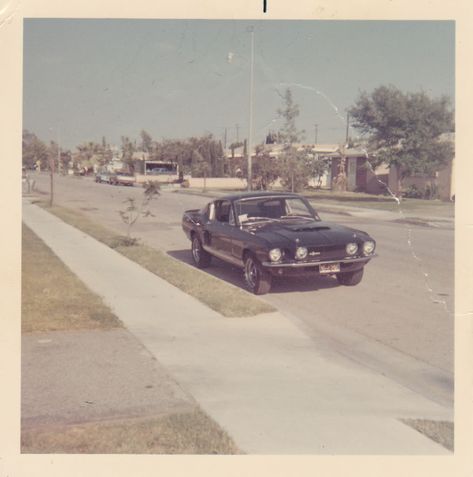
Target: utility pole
[(348, 127), (316, 132), (250, 132), (225, 140), (51, 181), (51, 169), (237, 133), (59, 165)]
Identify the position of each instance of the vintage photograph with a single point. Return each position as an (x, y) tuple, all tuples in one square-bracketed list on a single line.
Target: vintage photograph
[(238, 237)]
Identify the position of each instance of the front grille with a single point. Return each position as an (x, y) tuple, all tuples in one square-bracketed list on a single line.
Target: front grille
[(327, 252)]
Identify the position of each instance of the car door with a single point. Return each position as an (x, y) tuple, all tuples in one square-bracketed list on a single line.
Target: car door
[(219, 230)]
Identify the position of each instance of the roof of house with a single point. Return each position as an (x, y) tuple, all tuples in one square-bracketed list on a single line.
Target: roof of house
[(330, 150)]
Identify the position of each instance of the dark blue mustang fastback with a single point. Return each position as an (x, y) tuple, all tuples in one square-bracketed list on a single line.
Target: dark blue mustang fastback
[(271, 233)]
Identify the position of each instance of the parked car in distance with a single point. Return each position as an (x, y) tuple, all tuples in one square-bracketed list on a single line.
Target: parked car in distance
[(103, 176), (123, 178), (275, 234)]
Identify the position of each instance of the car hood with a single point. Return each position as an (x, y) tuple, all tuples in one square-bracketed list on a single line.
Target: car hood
[(308, 234)]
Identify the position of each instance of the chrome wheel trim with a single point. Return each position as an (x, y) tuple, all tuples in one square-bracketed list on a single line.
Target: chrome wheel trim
[(251, 273), (196, 250)]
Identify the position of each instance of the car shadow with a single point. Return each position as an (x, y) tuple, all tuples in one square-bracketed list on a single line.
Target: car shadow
[(234, 275)]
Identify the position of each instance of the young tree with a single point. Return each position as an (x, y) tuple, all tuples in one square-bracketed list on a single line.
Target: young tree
[(317, 166), (292, 161), (265, 169), (404, 129), (135, 209), (200, 166)]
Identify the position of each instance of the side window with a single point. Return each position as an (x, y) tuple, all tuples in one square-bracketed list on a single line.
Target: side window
[(231, 219), (211, 212), (222, 211)]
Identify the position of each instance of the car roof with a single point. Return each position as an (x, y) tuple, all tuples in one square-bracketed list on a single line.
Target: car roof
[(251, 195)]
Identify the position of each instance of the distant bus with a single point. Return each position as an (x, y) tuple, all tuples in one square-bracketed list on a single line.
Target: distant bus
[(161, 168)]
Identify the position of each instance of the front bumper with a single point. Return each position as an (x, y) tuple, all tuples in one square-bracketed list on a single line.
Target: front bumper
[(125, 182), (300, 267)]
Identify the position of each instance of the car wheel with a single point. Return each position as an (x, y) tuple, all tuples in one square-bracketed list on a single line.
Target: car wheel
[(201, 258), (257, 279), (350, 279)]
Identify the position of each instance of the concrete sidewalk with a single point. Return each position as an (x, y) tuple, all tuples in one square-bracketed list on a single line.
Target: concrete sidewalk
[(260, 378)]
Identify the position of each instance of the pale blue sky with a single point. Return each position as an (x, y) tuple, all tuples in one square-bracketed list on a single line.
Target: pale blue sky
[(173, 78)]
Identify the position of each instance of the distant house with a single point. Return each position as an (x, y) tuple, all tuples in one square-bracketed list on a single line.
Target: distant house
[(359, 176)]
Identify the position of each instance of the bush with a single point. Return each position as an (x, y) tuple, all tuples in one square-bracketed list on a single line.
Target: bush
[(185, 183), (412, 192), (429, 192)]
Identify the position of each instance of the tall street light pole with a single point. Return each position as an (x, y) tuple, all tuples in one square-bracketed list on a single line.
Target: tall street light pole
[(250, 132), (51, 169)]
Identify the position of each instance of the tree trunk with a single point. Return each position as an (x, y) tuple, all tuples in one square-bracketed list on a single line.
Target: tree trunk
[(399, 181)]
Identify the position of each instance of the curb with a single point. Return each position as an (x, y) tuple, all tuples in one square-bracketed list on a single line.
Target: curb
[(351, 212)]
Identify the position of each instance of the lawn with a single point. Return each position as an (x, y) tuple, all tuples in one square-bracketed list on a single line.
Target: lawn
[(179, 433), (53, 298)]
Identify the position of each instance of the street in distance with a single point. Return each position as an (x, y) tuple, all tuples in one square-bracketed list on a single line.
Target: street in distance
[(275, 234)]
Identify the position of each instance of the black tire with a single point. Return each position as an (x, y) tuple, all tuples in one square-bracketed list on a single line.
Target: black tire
[(350, 279), (201, 258), (257, 279)]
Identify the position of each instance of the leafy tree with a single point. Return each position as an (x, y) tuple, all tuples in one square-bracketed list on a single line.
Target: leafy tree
[(271, 138), (292, 162), (265, 169), (404, 129), (292, 168), (235, 145), (53, 155), (128, 149), (146, 141), (200, 167), (317, 166), (34, 151)]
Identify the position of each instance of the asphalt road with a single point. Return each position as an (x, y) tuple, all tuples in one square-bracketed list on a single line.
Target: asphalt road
[(399, 320)]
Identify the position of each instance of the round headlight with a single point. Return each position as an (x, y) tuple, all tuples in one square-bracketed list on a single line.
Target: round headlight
[(301, 253), (351, 248), (275, 255), (368, 247)]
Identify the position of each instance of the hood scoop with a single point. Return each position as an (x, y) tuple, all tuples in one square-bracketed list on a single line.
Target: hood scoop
[(308, 228)]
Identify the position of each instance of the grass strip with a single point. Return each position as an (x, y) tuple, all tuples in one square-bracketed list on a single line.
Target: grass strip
[(53, 298), (222, 297), (182, 433)]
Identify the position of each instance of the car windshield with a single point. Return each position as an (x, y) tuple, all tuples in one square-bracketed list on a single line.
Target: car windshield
[(272, 208)]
